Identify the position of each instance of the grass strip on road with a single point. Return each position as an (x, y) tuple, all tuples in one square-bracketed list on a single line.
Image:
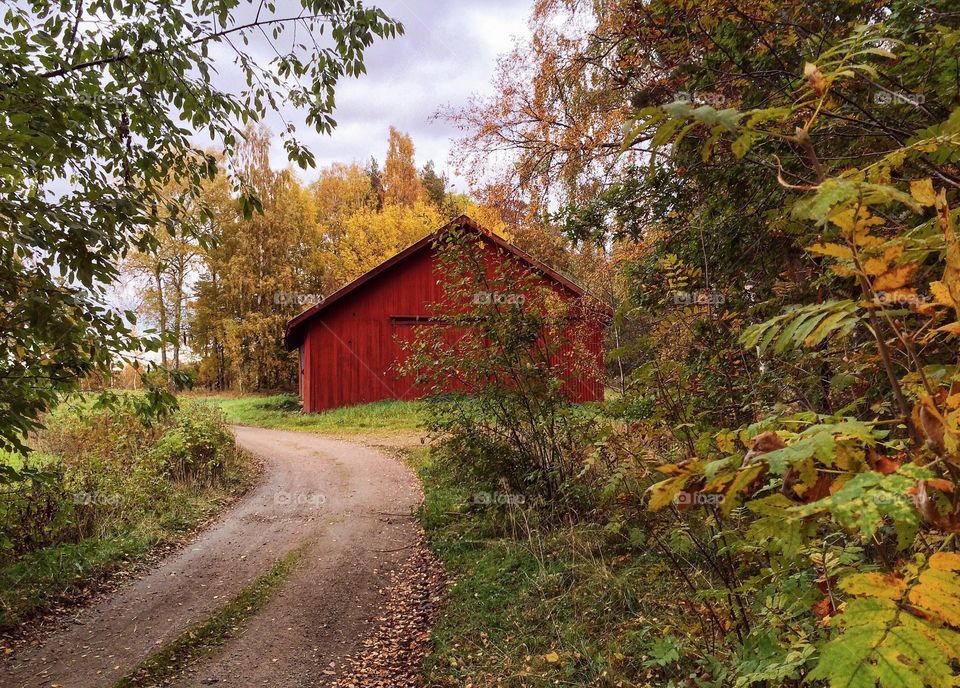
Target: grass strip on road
[(200, 640)]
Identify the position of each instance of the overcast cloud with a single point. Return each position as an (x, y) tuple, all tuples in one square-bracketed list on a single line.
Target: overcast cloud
[(447, 53)]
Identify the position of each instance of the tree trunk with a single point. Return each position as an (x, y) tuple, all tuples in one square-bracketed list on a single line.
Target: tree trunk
[(162, 313), (178, 318)]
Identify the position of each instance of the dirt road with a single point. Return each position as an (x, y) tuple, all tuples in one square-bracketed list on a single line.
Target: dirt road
[(346, 504)]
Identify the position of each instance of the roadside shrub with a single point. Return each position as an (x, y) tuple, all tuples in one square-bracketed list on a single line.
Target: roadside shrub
[(196, 448), (513, 424), (501, 444), (99, 471)]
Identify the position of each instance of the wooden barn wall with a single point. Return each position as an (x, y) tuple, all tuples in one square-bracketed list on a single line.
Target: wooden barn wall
[(351, 344), (350, 348)]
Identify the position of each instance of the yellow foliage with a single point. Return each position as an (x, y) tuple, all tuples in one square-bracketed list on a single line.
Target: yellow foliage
[(832, 250), (370, 237), (938, 588), (339, 191), (489, 218), (941, 294), (401, 181), (856, 223), (951, 269), (664, 492), (922, 191), (895, 278), (876, 585)]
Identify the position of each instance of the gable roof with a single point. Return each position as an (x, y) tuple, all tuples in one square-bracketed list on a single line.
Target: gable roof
[(463, 221)]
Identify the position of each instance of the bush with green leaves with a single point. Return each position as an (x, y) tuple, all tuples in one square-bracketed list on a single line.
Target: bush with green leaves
[(96, 472), (509, 357), (842, 502)]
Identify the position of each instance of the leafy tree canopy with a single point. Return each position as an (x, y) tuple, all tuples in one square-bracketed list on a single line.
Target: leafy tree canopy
[(99, 105)]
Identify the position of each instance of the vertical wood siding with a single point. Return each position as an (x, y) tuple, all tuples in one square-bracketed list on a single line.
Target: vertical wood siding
[(351, 348)]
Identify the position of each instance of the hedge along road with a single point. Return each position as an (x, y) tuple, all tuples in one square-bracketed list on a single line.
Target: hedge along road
[(313, 545)]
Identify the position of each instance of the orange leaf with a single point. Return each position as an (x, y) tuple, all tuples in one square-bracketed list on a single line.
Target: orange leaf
[(952, 328), (822, 608), (895, 278), (875, 266), (941, 484), (883, 464)]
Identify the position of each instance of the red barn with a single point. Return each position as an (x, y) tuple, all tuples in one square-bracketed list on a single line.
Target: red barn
[(350, 342)]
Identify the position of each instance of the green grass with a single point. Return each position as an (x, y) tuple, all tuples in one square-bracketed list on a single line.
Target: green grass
[(282, 412), (534, 605), (39, 580), (200, 640)]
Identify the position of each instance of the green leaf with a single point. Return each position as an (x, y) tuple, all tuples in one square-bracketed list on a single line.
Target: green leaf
[(867, 500), (802, 326), (777, 528), (836, 192)]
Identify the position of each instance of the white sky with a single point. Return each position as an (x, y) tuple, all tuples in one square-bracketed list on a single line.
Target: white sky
[(447, 53)]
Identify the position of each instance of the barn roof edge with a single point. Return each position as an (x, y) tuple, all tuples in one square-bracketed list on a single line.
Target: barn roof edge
[(294, 325)]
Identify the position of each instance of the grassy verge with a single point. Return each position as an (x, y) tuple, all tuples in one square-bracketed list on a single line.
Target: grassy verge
[(282, 412), (107, 492), (199, 641), (538, 606), (49, 577)]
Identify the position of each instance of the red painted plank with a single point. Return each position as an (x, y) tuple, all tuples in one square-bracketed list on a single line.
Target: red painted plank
[(351, 347)]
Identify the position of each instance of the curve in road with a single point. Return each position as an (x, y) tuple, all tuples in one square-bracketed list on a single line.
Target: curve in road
[(345, 504)]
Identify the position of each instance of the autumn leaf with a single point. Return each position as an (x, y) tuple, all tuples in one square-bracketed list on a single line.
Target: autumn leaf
[(665, 492), (842, 270), (883, 464), (938, 591), (951, 270), (880, 264), (935, 505), (922, 191), (895, 278), (726, 441), (929, 423), (875, 266), (815, 78), (823, 608), (883, 638), (832, 250), (950, 328), (941, 294), (881, 585)]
